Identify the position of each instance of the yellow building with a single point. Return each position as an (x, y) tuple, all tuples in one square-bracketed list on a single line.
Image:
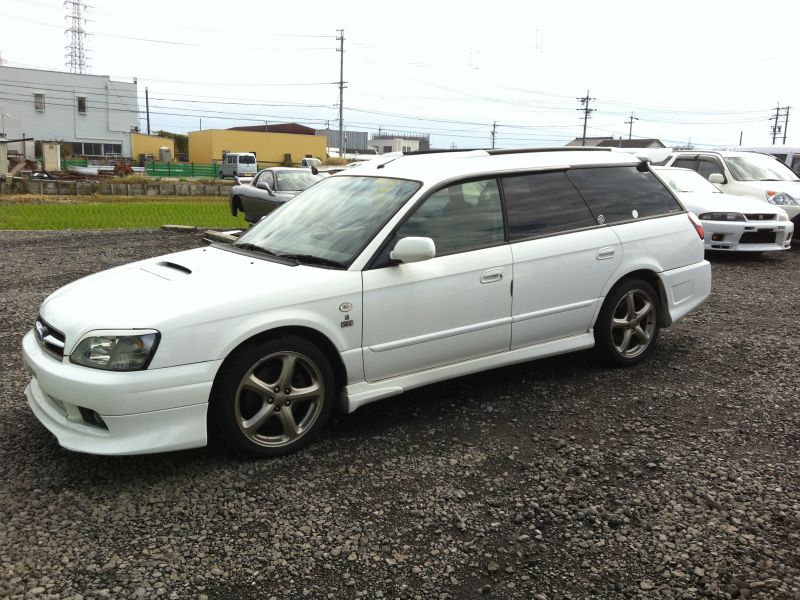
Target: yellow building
[(270, 148), (150, 145)]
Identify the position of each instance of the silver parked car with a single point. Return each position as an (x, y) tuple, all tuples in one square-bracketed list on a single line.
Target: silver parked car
[(269, 189)]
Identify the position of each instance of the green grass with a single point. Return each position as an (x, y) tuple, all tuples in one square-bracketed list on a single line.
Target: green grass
[(113, 215)]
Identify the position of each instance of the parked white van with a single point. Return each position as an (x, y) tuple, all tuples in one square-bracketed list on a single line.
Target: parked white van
[(403, 272), (788, 155), (238, 164)]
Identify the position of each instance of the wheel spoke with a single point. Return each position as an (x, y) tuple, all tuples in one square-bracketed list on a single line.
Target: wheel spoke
[(631, 307), (643, 312), (311, 392), (643, 335), (254, 383), (287, 371), (618, 323), (625, 343), (290, 428), (252, 425)]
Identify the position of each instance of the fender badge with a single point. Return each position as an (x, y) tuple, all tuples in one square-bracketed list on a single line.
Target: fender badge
[(345, 307)]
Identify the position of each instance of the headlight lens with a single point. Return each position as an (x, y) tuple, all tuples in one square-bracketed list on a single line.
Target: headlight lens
[(116, 352), (722, 216), (781, 199)]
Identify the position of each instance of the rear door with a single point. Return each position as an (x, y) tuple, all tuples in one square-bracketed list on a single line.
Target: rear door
[(562, 257)]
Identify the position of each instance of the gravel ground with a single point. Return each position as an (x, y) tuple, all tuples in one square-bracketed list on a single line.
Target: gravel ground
[(555, 479)]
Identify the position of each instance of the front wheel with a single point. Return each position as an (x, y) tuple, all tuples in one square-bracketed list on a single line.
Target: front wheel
[(273, 397), (627, 326)]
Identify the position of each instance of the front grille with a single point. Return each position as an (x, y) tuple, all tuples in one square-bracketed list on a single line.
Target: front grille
[(764, 236), (50, 338), (760, 217)]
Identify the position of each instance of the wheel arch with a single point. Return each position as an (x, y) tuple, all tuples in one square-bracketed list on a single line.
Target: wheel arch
[(651, 277), (320, 340)]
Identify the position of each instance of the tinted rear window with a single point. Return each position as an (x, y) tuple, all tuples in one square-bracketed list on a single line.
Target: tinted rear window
[(543, 203), (247, 160), (623, 193)]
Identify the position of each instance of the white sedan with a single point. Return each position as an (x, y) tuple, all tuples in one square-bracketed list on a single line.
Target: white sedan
[(735, 223)]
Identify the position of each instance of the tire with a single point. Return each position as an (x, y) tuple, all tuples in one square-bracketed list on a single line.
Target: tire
[(221, 176), (272, 397), (627, 326)]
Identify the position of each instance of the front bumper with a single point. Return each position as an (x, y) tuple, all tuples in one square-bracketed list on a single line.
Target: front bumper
[(748, 236), (139, 412)]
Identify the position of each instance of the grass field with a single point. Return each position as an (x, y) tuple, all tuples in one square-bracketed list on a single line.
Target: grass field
[(114, 212)]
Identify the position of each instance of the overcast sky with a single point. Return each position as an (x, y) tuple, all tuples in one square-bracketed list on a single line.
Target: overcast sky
[(699, 72)]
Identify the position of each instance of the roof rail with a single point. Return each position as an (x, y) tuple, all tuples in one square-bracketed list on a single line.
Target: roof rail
[(549, 149), (442, 151)]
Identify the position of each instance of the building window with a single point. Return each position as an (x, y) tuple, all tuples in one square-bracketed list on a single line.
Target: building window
[(112, 149), (92, 149), (82, 104), (38, 101)]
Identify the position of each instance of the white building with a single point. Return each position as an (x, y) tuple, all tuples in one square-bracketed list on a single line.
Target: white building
[(91, 113), (387, 144)]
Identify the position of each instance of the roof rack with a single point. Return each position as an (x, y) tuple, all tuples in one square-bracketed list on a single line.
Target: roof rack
[(442, 151), (549, 149)]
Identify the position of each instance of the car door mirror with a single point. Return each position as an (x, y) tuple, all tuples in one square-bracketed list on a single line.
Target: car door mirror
[(717, 178), (413, 249), (263, 185)]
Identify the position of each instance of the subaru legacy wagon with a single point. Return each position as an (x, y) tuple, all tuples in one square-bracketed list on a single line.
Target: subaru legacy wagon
[(406, 271)]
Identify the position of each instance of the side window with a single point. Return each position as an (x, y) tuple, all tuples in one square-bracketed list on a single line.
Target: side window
[(38, 101), (708, 166), (543, 203), (796, 163), (459, 218), (617, 194), (686, 163), (265, 177), (82, 105)]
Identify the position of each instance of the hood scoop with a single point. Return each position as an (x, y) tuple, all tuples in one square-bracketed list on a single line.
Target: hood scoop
[(167, 270)]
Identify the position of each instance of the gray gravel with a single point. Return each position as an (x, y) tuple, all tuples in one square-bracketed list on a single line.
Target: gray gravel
[(556, 479)]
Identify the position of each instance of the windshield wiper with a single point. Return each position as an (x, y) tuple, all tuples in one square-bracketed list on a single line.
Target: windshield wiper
[(254, 248), (314, 260)]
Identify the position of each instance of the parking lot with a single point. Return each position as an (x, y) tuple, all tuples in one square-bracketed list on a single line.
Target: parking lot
[(554, 479)]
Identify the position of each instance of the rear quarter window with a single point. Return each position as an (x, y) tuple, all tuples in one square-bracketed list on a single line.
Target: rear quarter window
[(616, 194), (543, 204)]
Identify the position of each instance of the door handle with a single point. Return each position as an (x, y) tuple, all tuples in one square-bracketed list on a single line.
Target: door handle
[(605, 253), (492, 275)]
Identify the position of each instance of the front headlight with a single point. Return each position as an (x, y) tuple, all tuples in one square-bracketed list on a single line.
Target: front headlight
[(722, 216), (113, 352), (780, 199)]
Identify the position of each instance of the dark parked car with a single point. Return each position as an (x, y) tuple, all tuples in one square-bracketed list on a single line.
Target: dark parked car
[(269, 189)]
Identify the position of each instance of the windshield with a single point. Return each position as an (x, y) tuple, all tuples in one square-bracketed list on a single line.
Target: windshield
[(247, 160), (333, 221), (759, 167), (295, 181), (681, 181)]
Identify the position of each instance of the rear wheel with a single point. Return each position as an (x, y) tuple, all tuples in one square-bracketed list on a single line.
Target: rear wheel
[(273, 397), (221, 176), (627, 326)]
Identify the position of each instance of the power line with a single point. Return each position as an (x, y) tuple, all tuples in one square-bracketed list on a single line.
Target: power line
[(776, 128), (340, 50), (630, 122)]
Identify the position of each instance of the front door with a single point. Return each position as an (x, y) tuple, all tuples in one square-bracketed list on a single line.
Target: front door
[(450, 308)]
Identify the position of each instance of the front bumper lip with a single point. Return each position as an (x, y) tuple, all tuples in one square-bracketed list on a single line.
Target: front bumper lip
[(155, 410)]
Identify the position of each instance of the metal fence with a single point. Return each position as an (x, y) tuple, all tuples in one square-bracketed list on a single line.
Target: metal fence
[(169, 169)]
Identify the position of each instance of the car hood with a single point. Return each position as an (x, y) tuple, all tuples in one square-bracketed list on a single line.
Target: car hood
[(702, 202), (181, 290), (789, 187)]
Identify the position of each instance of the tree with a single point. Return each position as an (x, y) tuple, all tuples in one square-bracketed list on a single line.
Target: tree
[(181, 140)]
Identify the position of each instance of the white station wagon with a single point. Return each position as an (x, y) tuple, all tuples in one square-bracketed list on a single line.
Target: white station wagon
[(406, 271)]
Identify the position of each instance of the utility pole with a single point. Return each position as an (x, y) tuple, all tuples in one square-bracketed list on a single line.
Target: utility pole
[(147, 108), (494, 133), (786, 123), (340, 50), (76, 54), (586, 111), (630, 122), (776, 129)]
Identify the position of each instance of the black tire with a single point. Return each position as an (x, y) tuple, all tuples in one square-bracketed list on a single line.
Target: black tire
[(272, 397), (221, 176), (628, 324), (236, 205)]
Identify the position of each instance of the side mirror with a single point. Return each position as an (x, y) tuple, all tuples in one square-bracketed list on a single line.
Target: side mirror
[(263, 185), (413, 249), (716, 178)]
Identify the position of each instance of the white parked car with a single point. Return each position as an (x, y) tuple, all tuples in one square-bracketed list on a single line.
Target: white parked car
[(735, 223), (400, 273), (746, 174)]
